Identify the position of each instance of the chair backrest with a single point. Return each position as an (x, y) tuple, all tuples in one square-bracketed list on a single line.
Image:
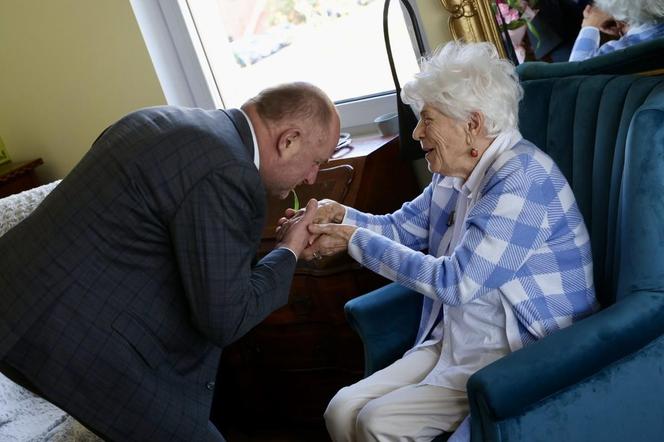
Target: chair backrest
[(643, 57), (606, 133)]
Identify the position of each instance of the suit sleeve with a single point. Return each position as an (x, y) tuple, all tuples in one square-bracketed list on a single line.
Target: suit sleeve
[(214, 247)]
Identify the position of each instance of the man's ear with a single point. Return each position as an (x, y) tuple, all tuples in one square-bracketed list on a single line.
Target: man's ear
[(288, 142)]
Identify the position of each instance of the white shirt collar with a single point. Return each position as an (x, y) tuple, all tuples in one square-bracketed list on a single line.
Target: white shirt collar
[(257, 156), (504, 141), (451, 182)]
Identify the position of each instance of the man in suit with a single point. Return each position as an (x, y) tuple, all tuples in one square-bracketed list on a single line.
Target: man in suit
[(118, 292)]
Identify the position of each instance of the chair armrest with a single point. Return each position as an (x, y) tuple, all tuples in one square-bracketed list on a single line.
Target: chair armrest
[(386, 320), (508, 386)]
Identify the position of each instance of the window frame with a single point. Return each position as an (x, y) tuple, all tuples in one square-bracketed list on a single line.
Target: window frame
[(187, 79)]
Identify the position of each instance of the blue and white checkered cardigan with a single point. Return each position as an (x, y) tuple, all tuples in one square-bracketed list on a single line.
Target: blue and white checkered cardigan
[(587, 42), (523, 236)]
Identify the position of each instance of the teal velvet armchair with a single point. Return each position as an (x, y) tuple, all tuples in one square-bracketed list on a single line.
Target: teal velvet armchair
[(601, 379)]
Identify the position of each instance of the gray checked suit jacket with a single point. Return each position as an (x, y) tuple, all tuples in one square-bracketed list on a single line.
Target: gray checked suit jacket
[(118, 292)]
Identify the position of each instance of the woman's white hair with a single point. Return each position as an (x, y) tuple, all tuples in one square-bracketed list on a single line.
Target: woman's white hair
[(462, 78), (634, 12)]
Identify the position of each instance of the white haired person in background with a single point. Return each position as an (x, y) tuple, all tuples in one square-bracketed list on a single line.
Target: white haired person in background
[(632, 22), (495, 243)]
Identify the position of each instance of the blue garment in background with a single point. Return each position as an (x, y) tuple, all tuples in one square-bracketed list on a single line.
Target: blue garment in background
[(587, 43)]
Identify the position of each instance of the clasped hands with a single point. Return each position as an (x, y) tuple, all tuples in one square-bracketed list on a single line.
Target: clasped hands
[(325, 235)]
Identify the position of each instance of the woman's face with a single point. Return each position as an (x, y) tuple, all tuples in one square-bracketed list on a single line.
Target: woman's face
[(443, 139)]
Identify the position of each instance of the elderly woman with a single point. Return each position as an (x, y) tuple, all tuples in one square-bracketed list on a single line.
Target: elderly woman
[(633, 22), (495, 243)]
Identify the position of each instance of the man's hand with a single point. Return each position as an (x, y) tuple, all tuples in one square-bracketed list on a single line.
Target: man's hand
[(330, 239), (295, 234), (329, 211)]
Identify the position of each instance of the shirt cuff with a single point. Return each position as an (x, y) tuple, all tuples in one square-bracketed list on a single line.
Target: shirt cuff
[(366, 244), (355, 250), (350, 216), (290, 250)]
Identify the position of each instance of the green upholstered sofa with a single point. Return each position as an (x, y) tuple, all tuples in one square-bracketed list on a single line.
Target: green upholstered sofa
[(647, 57), (601, 379)]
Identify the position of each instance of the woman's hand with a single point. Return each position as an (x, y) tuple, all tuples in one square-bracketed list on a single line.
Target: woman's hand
[(328, 211), (330, 239), (594, 16)]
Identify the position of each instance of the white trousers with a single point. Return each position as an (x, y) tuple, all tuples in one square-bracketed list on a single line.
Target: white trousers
[(389, 405)]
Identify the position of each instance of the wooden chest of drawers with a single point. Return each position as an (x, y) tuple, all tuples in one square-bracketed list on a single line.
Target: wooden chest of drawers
[(17, 177), (285, 371)]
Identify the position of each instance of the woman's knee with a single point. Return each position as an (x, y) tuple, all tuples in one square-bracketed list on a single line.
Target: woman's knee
[(371, 419), (336, 406), (340, 413)]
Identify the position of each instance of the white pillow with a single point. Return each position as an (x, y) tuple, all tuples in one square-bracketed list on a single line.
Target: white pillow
[(14, 208)]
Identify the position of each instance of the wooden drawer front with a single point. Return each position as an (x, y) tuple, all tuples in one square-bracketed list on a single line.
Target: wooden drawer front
[(311, 346), (291, 398), (318, 299), (289, 373)]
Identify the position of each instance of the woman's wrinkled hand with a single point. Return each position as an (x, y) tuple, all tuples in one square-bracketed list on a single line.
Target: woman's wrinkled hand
[(330, 239), (596, 17)]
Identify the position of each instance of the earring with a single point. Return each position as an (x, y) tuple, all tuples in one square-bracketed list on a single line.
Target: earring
[(469, 140)]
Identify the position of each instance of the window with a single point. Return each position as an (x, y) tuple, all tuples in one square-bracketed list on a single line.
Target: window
[(228, 50)]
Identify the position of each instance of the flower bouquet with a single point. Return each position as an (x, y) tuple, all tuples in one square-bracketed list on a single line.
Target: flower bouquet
[(515, 16)]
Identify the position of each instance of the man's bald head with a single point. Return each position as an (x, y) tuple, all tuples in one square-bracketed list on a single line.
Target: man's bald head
[(298, 101), (297, 129)]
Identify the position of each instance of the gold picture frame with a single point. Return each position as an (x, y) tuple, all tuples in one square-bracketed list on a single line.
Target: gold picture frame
[(474, 21)]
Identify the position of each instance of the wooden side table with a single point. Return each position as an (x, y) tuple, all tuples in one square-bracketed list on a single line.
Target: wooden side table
[(17, 177)]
